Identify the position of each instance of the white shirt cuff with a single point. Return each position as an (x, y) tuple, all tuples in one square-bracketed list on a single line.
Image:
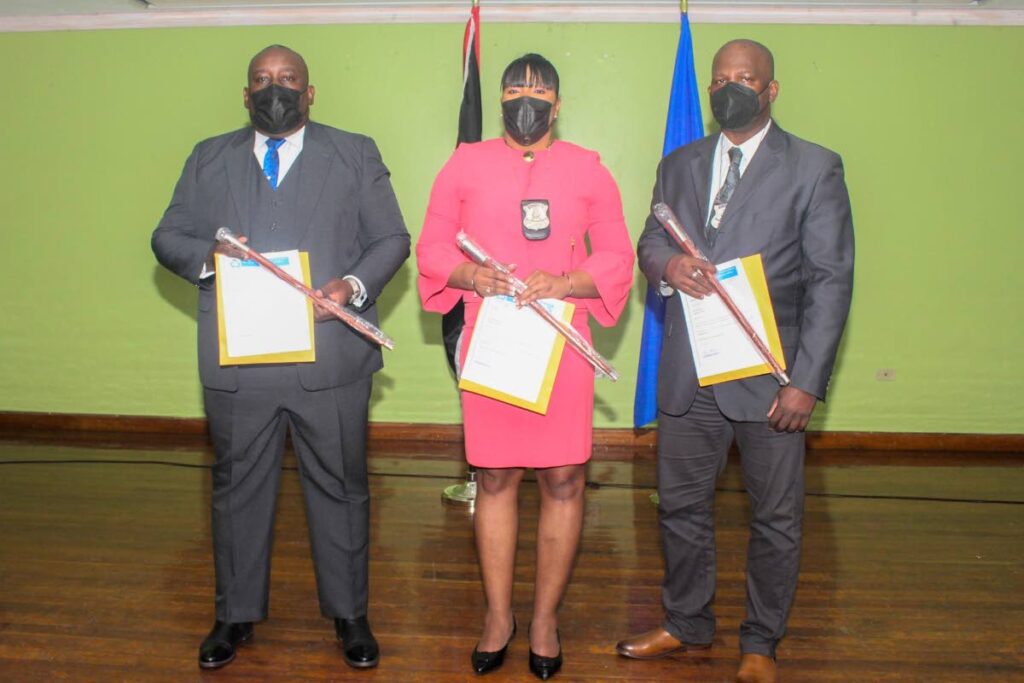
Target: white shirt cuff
[(665, 290), (358, 291), (204, 273)]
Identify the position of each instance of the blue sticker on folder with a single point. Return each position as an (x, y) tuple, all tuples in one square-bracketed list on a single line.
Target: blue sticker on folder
[(729, 272), (249, 263)]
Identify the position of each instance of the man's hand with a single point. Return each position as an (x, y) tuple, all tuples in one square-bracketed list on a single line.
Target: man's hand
[(791, 410), (337, 290), (690, 275), (541, 285)]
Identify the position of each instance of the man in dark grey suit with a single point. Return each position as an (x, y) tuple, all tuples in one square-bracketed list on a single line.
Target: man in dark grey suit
[(752, 189), (288, 183)]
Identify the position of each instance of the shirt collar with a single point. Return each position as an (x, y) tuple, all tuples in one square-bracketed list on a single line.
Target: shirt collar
[(294, 140), (748, 147)]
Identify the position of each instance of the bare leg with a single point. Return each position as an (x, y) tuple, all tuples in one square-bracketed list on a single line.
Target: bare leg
[(496, 523), (558, 535)]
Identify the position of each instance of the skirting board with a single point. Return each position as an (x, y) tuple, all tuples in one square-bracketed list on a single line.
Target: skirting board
[(184, 431)]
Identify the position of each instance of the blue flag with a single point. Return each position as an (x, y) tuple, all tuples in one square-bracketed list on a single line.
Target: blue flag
[(684, 124)]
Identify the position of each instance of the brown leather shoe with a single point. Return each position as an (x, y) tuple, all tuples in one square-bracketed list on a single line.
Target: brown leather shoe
[(654, 644), (757, 669)]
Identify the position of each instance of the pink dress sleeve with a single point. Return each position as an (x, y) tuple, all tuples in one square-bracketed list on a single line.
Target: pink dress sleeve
[(611, 258), (436, 253)]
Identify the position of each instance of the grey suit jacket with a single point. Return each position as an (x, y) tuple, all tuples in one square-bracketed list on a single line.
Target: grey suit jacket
[(348, 220), (791, 205)]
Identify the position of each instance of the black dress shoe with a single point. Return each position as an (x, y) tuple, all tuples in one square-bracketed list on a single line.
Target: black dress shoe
[(546, 667), (218, 649), (357, 642), (484, 662)]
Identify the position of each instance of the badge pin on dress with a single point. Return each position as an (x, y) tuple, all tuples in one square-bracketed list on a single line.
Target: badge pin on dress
[(536, 219)]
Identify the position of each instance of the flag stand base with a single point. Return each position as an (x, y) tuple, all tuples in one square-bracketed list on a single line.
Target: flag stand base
[(461, 494)]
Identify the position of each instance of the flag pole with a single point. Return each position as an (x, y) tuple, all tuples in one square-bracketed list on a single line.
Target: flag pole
[(470, 130), (683, 125)]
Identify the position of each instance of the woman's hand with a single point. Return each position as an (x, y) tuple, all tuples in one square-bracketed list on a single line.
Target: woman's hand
[(489, 282), (541, 285)]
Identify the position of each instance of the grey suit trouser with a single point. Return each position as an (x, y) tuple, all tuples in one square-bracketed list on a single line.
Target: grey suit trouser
[(328, 431), (692, 451)]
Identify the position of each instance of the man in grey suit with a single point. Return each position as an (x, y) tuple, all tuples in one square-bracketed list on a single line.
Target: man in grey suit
[(752, 189), (288, 183)]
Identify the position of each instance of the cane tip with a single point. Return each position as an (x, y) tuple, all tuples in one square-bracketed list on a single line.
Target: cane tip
[(661, 211)]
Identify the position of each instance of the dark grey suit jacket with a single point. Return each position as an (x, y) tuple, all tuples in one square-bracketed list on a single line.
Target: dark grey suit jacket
[(791, 205), (348, 220)]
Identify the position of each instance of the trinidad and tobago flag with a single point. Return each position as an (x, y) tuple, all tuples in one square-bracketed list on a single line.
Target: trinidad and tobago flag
[(470, 130), (470, 114)]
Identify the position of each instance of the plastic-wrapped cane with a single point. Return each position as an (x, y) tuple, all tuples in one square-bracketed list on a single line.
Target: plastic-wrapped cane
[(356, 322), (668, 220), (571, 334)]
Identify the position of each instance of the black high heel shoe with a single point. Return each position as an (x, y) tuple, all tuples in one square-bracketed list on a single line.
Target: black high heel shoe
[(485, 662), (546, 667)]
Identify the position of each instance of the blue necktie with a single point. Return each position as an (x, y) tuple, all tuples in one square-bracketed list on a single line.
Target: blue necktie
[(271, 162)]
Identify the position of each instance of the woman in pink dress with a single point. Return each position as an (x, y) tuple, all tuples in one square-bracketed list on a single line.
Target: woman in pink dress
[(538, 203)]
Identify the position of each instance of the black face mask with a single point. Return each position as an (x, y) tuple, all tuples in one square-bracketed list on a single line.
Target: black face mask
[(275, 109), (734, 106), (527, 119)]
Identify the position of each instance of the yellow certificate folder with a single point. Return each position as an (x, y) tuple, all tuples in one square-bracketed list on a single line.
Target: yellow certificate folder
[(722, 351), (514, 354), (260, 318)]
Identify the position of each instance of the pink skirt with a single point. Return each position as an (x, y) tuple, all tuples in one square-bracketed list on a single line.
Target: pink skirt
[(502, 435)]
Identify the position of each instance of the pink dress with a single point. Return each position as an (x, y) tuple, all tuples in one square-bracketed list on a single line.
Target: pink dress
[(479, 191)]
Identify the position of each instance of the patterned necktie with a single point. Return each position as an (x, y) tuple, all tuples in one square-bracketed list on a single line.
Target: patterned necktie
[(271, 162), (732, 178)]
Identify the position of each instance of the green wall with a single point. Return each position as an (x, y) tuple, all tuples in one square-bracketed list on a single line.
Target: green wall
[(96, 126)]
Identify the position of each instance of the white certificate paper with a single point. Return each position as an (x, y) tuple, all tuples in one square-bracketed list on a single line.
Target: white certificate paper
[(721, 349), (514, 354), (263, 315)]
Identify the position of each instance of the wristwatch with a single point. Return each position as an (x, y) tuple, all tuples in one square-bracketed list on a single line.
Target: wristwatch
[(358, 291)]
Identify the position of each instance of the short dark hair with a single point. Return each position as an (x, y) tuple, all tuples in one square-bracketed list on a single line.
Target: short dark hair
[(540, 71)]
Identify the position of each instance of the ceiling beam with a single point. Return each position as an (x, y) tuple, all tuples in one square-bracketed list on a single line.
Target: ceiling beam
[(625, 12)]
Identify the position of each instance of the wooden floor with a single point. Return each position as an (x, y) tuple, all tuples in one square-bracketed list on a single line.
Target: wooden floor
[(913, 570)]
